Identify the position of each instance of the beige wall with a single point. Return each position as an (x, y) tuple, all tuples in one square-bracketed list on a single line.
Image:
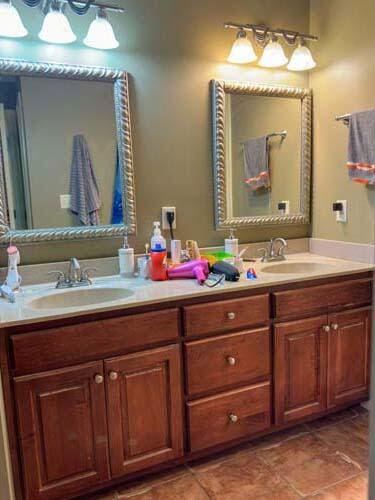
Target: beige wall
[(342, 83), (172, 49), (73, 108)]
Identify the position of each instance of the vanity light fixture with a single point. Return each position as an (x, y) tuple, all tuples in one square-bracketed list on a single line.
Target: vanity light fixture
[(302, 59), (56, 28), (11, 25), (273, 53), (242, 51), (101, 34)]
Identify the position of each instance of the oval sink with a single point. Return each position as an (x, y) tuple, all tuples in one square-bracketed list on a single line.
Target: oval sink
[(297, 268), (78, 297)]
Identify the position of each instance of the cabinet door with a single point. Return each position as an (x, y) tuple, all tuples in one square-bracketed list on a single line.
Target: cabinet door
[(63, 430), (300, 368), (349, 357), (144, 409)]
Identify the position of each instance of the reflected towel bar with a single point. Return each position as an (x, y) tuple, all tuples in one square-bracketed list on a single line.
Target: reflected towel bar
[(282, 134), (343, 118)]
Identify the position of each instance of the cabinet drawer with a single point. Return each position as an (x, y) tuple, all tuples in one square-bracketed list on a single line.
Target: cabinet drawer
[(229, 416), (226, 315), (221, 362), (66, 345), (323, 298)]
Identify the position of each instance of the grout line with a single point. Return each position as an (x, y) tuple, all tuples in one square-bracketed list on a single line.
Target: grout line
[(283, 478), (196, 477), (333, 485)]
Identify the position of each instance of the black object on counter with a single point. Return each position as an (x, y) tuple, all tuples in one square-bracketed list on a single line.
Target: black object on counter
[(231, 273)]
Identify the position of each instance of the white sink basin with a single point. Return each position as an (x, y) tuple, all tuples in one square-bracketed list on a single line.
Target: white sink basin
[(78, 297), (297, 268)]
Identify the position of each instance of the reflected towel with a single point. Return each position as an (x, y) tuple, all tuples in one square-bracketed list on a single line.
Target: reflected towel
[(361, 148), (84, 189), (117, 215), (256, 163)]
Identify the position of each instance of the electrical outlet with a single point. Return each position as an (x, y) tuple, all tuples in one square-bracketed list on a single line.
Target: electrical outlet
[(342, 215), (65, 201), (285, 210), (164, 221)]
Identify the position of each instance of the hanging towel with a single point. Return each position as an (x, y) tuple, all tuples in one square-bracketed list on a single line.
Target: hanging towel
[(117, 214), (256, 163), (361, 149), (84, 189)]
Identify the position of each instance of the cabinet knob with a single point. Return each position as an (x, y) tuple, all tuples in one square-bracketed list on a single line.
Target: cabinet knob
[(99, 379), (327, 328), (231, 315), (231, 360), (335, 326), (113, 375), (233, 418)]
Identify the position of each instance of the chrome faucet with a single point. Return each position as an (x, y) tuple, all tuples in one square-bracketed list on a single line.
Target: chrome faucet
[(75, 277), (270, 254)]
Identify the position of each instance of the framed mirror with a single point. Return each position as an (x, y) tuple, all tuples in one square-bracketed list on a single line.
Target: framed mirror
[(261, 154), (66, 159)]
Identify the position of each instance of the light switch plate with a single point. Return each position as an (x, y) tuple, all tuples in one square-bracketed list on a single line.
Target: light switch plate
[(342, 216), (164, 222), (65, 201)]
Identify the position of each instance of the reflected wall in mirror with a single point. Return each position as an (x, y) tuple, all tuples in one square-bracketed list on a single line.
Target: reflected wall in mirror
[(262, 154), (67, 166)]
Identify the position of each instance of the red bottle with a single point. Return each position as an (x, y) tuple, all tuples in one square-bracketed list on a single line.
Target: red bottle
[(158, 271)]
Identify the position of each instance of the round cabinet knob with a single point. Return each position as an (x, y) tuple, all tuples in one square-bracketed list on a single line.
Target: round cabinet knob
[(335, 326), (327, 328), (99, 379), (233, 418), (113, 375), (231, 315), (231, 360)]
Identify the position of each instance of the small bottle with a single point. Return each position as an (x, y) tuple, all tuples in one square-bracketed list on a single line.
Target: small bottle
[(126, 258), (158, 271), (231, 244)]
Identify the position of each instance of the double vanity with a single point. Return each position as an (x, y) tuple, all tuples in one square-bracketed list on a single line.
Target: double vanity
[(105, 383)]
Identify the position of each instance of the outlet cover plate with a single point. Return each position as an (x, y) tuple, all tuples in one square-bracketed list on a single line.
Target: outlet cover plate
[(342, 216), (65, 201), (164, 221)]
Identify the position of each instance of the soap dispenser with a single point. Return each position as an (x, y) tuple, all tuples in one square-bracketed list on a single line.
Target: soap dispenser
[(158, 271), (126, 258), (231, 244)]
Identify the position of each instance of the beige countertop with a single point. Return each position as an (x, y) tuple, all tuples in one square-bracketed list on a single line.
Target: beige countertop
[(145, 292)]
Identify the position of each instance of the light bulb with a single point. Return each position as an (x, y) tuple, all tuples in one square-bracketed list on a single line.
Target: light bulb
[(273, 55), (242, 51), (302, 59), (101, 34), (11, 24), (56, 28)]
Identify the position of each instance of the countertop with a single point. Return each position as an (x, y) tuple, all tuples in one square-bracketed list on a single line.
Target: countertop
[(145, 292)]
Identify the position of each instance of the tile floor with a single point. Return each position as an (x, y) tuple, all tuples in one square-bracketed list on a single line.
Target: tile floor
[(324, 460)]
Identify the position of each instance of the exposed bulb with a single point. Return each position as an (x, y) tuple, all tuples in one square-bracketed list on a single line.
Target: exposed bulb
[(302, 59), (242, 51), (273, 55), (56, 28), (101, 34), (11, 24)]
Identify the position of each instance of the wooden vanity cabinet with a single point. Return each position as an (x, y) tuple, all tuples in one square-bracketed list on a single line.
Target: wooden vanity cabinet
[(321, 363)]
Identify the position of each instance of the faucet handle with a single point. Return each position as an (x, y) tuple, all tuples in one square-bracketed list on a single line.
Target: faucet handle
[(61, 277), (86, 275), (264, 253)]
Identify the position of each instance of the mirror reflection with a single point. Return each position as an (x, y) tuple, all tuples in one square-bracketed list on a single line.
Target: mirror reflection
[(60, 152), (263, 155)]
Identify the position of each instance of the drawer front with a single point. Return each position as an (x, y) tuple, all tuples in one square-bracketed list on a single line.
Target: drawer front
[(229, 416), (320, 299), (221, 362), (66, 345), (226, 315)]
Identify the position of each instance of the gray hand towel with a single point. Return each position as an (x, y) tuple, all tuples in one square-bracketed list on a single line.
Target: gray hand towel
[(256, 163), (361, 148), (84, 189)]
